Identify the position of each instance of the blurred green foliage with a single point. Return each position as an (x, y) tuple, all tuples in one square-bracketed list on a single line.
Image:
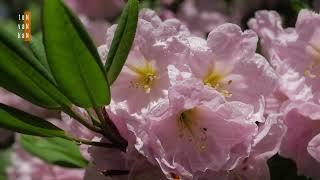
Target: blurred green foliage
[(5, 162), (10, 9)]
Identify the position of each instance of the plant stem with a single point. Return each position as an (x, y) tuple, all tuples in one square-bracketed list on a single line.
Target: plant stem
[(94, 143), (82, 121), (110, 129), (94, 121), (115, 172), (100, 117), (107, 130)]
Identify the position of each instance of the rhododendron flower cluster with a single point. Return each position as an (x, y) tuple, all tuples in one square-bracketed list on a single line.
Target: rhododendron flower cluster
[(294, 53), (196, 97), (189, 104)]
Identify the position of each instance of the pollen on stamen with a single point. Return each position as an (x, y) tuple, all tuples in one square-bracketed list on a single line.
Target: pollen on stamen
[(146, 82), (310, 72), (216, 81), (190, 131), (146, 77), (202, 147)]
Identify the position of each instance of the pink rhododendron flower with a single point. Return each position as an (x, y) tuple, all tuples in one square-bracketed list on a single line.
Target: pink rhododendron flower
[(198, 109), (265, 145), (228, 63), (129, 164), (202, 16), (121, 166), (166, 14), (96, 28), (94, 14), (97, 8), (190, 91), (144, 77), (314, 147), (275, 101), (248, 168), (300, 142), (293, 52), (189, 133)]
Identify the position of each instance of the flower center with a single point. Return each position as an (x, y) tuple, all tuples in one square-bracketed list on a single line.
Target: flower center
[(217, 81), (185, 121), (189, 129), (311, 70), (147, 76)]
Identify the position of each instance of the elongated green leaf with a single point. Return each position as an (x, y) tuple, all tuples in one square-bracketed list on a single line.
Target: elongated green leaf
[(122, 40), (19, 121), (38, 50), (5, 163), (20, 73), (73, 58), (55, 151), (12, 42), (122, 22)]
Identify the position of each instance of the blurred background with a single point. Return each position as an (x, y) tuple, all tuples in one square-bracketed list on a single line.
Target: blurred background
[(200, 16)]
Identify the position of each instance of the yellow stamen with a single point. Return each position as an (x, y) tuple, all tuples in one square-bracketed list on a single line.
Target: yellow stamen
[(186, 120), (310, 71), (188, 128), (216, 80), (146, 76)]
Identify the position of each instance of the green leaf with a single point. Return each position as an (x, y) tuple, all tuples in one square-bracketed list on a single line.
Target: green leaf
[(55, 151), (297, 5), (38, 50), (73, 58), (22, 74), (5, 163), (12, 42), (9, 25), (19, 121), (122, 40)]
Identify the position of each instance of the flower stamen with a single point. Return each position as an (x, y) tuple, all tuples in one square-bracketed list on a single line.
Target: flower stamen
[(187, 126), (310, 72), (146, 76), (216, 81)]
